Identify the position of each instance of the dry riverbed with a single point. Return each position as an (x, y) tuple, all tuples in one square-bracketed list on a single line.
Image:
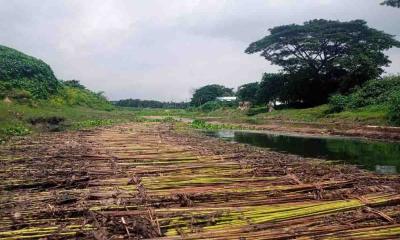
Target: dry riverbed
[(146, 180)]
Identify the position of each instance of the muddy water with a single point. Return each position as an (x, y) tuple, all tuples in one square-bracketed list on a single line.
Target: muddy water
[(381, 157)]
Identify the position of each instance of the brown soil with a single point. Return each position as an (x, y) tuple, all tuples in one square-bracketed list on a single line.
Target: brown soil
[(145, 180)]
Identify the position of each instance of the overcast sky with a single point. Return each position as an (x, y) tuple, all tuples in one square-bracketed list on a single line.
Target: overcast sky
[(163, 49)]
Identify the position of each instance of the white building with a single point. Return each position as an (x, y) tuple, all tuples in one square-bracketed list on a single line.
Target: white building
[(226, 99)]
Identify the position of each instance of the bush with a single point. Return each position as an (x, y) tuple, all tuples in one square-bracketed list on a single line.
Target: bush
[(337, 103), (3, 91), (93, 123), (73, 96), (394, 108), (16, 130), (214, 105), (20, 71), (210, 106), (258, 110), (201, 124), (374, 92)]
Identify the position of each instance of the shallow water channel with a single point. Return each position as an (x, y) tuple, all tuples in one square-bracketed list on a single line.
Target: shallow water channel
[(378, 156)]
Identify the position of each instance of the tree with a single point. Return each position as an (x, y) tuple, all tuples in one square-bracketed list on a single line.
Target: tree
[(326, 56), (247, 92), (209, 93), (271, 88), (392, 3)]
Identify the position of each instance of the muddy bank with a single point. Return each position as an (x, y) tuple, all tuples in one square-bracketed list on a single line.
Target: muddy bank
[(148, 180)]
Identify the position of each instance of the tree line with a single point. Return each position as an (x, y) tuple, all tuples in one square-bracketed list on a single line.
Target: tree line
[(317, 59), (137, 103)]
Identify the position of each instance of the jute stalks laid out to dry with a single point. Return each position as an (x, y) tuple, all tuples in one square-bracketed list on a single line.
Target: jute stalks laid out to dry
[(148, 181)]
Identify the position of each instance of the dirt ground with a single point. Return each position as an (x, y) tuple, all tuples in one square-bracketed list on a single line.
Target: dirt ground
[(149, 181)]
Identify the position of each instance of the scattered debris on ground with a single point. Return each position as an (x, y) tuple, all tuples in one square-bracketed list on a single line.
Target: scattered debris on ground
[(147, 181)]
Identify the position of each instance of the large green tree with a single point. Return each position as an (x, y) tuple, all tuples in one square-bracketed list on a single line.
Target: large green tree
[(209, 93), (271, 88), (392, 3), (326, 56), (247, 92)]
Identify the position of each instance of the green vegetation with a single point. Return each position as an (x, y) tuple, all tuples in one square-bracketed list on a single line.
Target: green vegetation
[(248, 92), (322, 57), (380, 97), (394, 109), (209, 93), (33, 100), (137, 103), (321, 62), (21, 74), (201, 124), (18, 119), (73, 96), (214, 105)]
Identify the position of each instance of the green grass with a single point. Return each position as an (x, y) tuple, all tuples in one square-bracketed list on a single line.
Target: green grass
[(15, 118), (376, 115), (303, 115), (367, 115)]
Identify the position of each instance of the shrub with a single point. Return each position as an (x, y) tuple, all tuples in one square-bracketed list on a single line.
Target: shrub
[(394, 108), (374, 92), (201, 124), (16, 130), (210, 106), (3, 91), (258, 110), (215, 105), (73, 96), (21, 71), (93, 123), (337, 103), (20, 95)]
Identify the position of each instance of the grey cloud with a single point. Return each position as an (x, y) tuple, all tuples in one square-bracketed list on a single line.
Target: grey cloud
[(158, 49)]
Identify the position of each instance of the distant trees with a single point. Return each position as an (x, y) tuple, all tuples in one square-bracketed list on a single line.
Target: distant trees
[(392, 3), (271, 88), (137, 103), (209, 93), (248, 92), (321, 57)]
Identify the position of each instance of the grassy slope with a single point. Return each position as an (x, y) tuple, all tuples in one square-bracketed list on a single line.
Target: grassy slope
[(367, 115), (372, 115), (14, 117)]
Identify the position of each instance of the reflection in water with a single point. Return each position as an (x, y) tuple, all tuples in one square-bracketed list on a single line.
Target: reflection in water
[(382, 157), (385, 169)]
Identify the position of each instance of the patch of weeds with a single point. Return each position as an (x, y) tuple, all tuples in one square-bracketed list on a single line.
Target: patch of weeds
[(17, 130), (255, 111), (169, 120), (201, 124), (93, 123)]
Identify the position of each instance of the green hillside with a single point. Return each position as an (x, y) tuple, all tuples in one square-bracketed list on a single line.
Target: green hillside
[(32, 99), (30, 76)]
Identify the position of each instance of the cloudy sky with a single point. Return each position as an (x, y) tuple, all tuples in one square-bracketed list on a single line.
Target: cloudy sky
[(163, 49)]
